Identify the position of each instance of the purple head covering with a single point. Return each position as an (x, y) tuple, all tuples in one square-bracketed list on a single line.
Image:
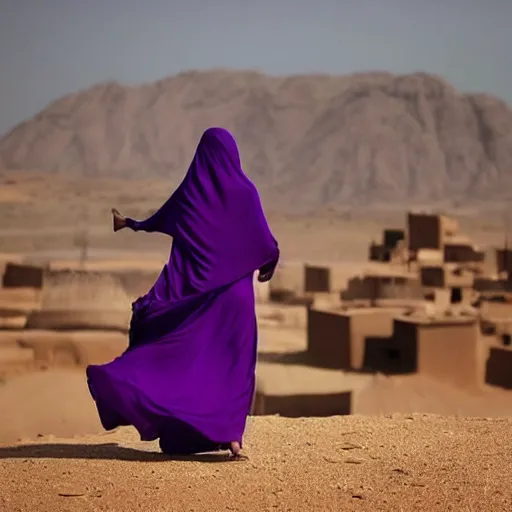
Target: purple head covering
[(215, 217)]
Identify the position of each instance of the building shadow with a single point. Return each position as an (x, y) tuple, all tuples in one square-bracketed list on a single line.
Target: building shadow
[(498, 368), (303, 406), (104, 451), (383, 355), (389, 356), (298, 357)]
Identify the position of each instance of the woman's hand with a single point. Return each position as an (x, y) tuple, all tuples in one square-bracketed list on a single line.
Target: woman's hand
[(266, 272), (118, 220), (263, 278)]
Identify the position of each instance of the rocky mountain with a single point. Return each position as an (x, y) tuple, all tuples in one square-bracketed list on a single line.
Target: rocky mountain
[(307, 141)]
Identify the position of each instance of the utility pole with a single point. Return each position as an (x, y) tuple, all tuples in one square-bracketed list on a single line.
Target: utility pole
[(82, 239)]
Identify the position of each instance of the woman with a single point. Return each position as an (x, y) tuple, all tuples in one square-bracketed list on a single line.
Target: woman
[(188, 374)]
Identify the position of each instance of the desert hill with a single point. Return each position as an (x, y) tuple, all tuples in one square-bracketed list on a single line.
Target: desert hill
[(416, 462), (307, 141)]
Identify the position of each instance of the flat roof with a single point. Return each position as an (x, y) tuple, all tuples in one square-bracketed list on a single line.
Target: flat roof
[(281, 379), (424, 320), (351, 311)]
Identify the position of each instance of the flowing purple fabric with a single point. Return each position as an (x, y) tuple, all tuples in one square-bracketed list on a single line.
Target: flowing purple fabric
[(188, 374)]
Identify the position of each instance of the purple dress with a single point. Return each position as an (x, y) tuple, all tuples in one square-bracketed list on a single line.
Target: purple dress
[(188, 374)]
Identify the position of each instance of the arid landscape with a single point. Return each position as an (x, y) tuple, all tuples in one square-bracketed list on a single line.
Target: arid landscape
[(384, 372), (308, 142)]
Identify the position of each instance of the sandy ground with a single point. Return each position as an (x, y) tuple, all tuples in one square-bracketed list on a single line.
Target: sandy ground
[(400, 463)]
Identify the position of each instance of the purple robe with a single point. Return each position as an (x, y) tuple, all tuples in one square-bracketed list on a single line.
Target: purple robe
[(188, 375)]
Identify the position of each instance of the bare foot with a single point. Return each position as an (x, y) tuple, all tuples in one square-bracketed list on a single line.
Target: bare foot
[(234, 448)]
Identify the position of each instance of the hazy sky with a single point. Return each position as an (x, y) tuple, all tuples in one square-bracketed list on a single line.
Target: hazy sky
[(52, 47)]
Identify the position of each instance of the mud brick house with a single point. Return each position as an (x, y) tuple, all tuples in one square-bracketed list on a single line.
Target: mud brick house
[(446, 348), (498, 369), (504, 260), (328, 278), (429, 231), (392, 247), (17, 275), (391, 284), (460, 250), (344, 340), (457, 280), (299, 391)]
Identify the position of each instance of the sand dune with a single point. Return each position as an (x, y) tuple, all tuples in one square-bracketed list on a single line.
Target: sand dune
[(399, 463)]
